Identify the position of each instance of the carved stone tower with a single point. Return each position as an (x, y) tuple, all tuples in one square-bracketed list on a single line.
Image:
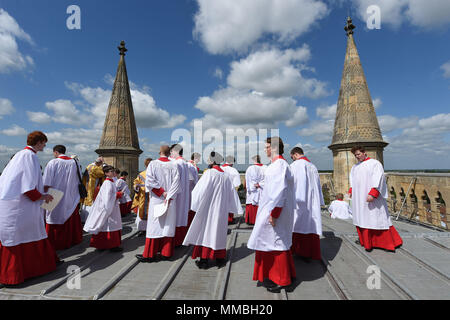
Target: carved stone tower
[(119, 145), (356, 122)]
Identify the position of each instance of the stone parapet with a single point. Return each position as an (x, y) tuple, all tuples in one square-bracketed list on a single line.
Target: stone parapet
[(424, 197)]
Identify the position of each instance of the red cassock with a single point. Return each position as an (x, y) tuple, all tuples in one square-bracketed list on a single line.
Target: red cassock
[(165, 246), (383, 239), (63, 236), (125, 208), (306, 245), (250, 213), (208, 253), (278, 266), (106, 240)]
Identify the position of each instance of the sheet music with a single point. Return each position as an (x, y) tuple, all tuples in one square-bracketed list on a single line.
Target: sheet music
[(160, 209), (57, 196)]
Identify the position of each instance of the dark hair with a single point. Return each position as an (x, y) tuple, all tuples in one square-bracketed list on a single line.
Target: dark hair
[(297, 150), (117, 171), (147, 161), (339, 196), (107, 168), (195, 155), (165, 150), (215, 158), (358, 147), (124, 174), (35, 137), (276, 142), (257, 158), (177, 148), (59, 148)]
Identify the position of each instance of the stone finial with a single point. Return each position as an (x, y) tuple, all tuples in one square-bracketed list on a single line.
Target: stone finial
[(349, 27), (122, 48)]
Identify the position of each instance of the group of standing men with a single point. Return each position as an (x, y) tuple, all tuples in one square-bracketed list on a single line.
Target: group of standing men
[(175, 208)]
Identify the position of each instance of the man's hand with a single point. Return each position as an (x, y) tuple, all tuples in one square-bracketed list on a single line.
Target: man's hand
[(370, 198), (272, 221), (47, 198), (164, 195)]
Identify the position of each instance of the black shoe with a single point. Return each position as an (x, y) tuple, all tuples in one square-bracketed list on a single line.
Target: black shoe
[(142, 233), (266, 283), (202, 263), (59, 262), (305, 259), (275, 289), (369, 250), (141, 258), (116, 249), (357, 242), (221, 262)]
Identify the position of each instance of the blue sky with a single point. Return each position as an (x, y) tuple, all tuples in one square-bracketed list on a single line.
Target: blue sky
[(251, 65)]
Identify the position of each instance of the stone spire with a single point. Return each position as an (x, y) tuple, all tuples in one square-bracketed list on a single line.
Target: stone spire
[(356, 121), (119, 144)]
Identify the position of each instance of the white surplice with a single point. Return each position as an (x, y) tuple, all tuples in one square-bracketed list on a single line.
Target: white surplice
[(122, 186), (339, 209), (21, 220), (308, 198), (193, 179), (278, 193), (364, 176), (212, 200), (254, 175), (182, 200), (162, 174), (235, 179), (62, 174), (105, 213)]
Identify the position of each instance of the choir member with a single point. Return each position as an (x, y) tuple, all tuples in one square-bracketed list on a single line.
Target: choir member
[(182, 200), (254, 181), (25, 250), (104, 221), (193, 179), (271, 237), (162, 182), (63, 223), (212, 201), (125, 201), (369, 192), (339, 209), (235, 178), (308, 201)]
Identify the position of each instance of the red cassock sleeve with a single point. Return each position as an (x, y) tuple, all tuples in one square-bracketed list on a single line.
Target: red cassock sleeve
[(374, 193), (276, 212), (158, 192), (119, 194), (34, 195)]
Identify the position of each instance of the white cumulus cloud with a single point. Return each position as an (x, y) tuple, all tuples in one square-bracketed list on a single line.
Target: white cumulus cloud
[(235, 25), (6, 107), (10, 56), (15, 130)]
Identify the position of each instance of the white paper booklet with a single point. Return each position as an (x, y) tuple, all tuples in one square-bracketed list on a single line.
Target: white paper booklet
[(57, 196), (160, 209)]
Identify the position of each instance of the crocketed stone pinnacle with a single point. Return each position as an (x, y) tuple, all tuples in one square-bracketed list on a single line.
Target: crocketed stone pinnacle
[(356, 121), (119, 131)]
